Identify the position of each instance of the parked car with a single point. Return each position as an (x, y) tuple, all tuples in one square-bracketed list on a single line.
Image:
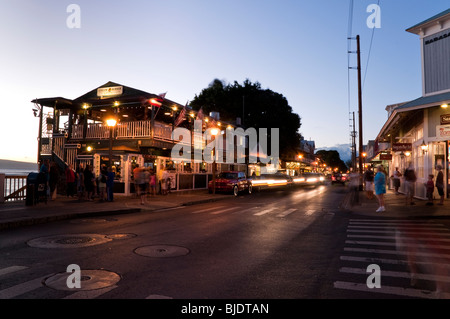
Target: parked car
[(231, 182), (339, 178)]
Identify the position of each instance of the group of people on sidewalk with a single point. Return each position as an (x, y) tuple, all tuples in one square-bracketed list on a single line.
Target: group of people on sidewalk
[(375, 182)]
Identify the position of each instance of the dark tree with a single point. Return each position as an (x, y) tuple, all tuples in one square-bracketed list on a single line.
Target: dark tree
[(257, 107), (332, 159)]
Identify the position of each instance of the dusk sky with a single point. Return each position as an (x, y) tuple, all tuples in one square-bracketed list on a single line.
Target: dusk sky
[(294, 47)]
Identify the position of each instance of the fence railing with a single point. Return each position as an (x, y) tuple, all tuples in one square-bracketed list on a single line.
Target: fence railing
[(133, 129), (14, 188)]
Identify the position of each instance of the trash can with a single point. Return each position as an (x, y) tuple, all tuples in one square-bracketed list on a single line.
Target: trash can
[(31, 197)]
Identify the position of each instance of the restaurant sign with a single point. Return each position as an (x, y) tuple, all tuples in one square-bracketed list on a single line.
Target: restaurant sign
[(445, 119), (109, 91), (402, 147), (443, 132)]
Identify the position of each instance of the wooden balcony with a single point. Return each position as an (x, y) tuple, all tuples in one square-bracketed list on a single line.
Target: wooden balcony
[(124, 130)]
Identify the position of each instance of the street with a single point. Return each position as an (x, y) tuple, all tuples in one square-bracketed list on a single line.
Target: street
[(295, 244)]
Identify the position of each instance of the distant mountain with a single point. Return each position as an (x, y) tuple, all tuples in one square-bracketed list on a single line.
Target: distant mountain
[(16, 165), (344, 150)]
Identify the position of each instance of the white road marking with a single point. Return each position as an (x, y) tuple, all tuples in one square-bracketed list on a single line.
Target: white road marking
[(222, 211), (394, 252), (266, 211), (286, 212), (11, 269), (22, 288), (396, 274)]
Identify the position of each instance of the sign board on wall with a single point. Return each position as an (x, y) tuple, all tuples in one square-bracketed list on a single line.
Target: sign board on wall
[(445, 119), (110, 91), (443, 132), (402, 147)]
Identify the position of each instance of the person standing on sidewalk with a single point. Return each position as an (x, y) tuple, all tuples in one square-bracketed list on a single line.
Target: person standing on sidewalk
[(429, 186), (410, 181), (70, 181), (440, 184), (110, 184), (396, 177), (380, 188), (368, 181)]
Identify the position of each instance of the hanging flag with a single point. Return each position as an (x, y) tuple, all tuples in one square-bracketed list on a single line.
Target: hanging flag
[(180, 117), (157, 101)]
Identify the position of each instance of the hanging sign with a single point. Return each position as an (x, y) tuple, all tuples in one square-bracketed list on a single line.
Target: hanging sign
[(402, 147), (443, 131)]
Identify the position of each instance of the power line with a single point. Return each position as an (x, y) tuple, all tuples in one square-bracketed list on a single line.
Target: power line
[(370, 49)]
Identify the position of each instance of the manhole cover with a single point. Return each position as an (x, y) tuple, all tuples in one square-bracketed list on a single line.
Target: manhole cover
[(90, 280), (69, 241), (121, 236), (161, 251)]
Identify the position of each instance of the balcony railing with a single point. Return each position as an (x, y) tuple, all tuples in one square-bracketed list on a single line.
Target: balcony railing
[(125, 130)]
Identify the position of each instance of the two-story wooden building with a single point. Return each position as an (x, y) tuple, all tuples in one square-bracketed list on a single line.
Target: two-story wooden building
[(77, 132)]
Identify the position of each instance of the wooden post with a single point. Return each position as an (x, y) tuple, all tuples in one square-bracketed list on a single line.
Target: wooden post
[(2, 188)]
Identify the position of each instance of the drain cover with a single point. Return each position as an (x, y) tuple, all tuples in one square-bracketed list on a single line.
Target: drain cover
[(161, 251), (69, 241), (90, 280)]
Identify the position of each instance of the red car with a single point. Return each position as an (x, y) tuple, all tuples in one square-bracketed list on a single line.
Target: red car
[(338, 178), (231, 182)]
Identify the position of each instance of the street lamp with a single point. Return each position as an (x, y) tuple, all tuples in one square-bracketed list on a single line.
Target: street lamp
[(112, 122), (214, 132), (424, 147)]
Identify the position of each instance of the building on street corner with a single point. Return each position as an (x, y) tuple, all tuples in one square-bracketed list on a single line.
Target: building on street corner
[(418, 131)]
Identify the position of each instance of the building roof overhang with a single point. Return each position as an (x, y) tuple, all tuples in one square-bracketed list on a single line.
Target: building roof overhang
[(431, 22), (403, 109)]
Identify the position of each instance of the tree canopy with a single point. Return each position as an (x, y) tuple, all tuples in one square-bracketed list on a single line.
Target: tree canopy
[(257, 107), (332, 159)]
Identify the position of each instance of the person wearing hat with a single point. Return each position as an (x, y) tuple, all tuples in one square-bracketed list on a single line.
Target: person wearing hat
[(440, 184)]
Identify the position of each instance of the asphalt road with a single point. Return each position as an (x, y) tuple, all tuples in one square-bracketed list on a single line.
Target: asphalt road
[(268, 245)]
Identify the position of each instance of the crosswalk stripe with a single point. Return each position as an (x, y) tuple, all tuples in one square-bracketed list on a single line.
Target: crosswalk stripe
[(264, 212), (400, 227), (390, 261), (407, 292), (22, 288), (11, 269), (378, 222), (206, 210), (395, 252), (90, 294), (394, 238), (396, 274), (287, 212), (397, 244), (223, 211), (440, 233)]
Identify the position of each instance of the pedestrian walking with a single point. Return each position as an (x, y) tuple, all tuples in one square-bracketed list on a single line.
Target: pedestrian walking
[(152, 183), (396, 179), (70, 181), (89, 180), (440, 184), (80, 181), (54, 180), (429, 185), (110, 184), (380, 188), (354, 187), (369, 176), (101, 181), (410, 181)]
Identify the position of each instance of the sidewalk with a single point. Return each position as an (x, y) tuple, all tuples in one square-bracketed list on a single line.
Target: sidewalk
[(16, 214), (396, 207)]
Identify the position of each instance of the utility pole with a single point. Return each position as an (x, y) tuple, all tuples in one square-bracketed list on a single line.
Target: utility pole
[(361, 169), (354, 144)]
